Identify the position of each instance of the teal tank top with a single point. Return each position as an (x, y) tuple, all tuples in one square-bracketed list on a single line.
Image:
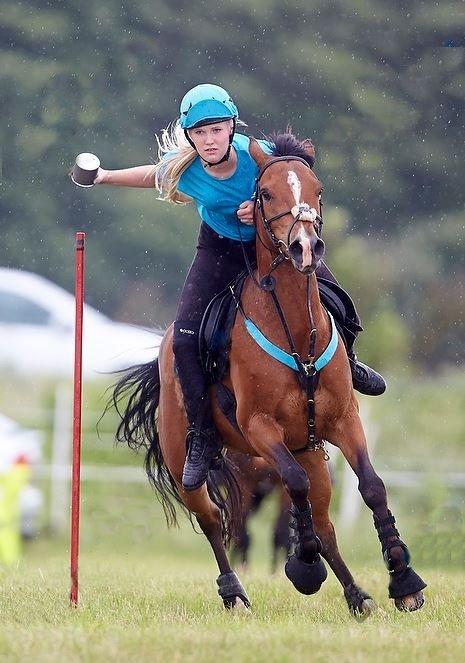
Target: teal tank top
[(218, 200)]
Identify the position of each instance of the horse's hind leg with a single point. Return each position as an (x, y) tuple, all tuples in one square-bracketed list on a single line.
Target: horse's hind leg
[(241, 543), (172, 424), (208, 516), (405, 586), (361, 605), (281, 534)]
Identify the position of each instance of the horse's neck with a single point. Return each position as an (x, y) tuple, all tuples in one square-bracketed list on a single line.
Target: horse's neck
[(291, 291)]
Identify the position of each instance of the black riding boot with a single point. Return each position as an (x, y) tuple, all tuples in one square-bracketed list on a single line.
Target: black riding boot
[(364, 379), (202, 441), (203, 449)]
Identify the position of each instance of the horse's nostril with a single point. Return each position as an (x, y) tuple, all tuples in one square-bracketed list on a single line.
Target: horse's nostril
[(319, 249), (295, 250)]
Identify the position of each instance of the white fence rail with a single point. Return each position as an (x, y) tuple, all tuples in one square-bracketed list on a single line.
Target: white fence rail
[(107, 473), (58, 472), (130, 474)]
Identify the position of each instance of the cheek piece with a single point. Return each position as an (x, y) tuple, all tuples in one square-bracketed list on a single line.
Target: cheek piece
[(225, 157)]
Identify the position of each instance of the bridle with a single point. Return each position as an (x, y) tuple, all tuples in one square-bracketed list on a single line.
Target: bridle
[(298, 211), (308, 375)]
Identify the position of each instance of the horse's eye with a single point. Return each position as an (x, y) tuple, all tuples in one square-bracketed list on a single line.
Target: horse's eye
[(266, 195)]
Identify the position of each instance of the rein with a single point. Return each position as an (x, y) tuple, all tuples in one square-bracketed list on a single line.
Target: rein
[(307, 372)]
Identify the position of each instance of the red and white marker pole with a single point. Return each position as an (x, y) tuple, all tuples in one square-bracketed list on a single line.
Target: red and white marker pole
[(77, 415)]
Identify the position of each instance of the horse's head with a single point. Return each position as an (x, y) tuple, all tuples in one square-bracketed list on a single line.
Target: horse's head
[(288, 212)]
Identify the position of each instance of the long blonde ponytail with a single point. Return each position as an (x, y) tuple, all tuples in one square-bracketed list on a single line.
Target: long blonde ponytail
[(175, 154)]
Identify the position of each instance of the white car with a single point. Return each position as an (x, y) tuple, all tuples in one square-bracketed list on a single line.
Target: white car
[(37, 331)]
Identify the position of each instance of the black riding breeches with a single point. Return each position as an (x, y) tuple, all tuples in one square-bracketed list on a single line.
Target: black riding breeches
[(218, 261)]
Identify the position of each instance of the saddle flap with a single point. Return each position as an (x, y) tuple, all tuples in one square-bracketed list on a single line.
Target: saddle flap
[(215, 329), (336, 300)]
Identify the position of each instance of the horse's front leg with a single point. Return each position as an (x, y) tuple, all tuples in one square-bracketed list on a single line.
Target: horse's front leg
[(405, 586), (304, 567), (361, 605)]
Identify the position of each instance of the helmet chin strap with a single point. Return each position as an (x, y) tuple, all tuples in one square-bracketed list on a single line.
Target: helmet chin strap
[(227, 154), (224, 158)]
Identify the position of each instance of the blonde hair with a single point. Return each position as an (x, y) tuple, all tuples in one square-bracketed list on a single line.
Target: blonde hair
[(175, 154)]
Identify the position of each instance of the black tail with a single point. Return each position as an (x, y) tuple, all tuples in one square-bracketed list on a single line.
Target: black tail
[(224, 491), (138, 428)]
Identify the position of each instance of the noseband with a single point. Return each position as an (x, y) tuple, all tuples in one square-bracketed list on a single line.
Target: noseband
[(299, 212)]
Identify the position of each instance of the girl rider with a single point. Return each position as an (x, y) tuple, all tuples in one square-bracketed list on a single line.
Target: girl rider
[(204, 160)]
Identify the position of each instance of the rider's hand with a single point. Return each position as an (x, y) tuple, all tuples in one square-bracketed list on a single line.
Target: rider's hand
[(245, 212), (101, 176)]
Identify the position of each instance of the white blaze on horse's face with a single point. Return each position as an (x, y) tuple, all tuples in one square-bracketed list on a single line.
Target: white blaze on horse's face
[(295, 185), (304, 212)]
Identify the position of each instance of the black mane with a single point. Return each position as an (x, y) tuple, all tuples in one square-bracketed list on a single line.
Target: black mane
[(287, 145)]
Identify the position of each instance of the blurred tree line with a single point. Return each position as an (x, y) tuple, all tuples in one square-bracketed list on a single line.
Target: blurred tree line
[(368, 82)]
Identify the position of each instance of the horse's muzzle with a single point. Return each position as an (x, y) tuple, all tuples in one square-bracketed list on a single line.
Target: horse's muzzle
[(306, 253)]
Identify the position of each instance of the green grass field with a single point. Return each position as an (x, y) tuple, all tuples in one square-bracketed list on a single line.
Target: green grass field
[(150, 595), (138, 607)]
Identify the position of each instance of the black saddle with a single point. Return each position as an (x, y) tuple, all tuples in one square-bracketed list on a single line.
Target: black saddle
[(339, 303), (215, 340), (215, 329)]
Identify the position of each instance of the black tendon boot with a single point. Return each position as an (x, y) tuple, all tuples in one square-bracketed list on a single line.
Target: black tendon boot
[(338, 301)]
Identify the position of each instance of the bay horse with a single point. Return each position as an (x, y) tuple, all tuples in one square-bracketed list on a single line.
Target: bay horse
[(284, 413)]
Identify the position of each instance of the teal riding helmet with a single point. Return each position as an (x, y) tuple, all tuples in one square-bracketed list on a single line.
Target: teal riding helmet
[(206, 104)]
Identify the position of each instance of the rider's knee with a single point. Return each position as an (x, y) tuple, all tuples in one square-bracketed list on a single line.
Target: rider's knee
[(185, 336)]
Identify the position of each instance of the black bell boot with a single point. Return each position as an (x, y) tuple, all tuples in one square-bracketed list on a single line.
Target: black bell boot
[(365, 379), (203, 449)]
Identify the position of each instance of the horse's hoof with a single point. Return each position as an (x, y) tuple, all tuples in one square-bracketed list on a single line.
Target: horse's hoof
[(410, 603), (361, 605), (306, 577), (367, 608), (237, 604)]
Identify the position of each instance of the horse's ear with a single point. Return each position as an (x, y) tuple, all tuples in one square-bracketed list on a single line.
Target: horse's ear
[(309, 150), (256, 152)]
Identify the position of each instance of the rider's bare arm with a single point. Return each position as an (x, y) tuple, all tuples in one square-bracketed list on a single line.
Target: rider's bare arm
[(139, 176)]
